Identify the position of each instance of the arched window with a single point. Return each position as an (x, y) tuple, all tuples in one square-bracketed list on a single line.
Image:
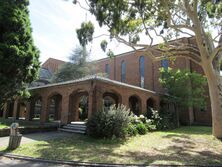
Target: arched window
[(123, 71), (107, 70), (142, 70), (165, 64)]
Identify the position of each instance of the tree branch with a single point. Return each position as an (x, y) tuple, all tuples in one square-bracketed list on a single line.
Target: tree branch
[(215, 52)]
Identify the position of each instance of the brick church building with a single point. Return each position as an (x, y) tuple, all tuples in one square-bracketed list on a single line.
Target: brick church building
[(132, 79)]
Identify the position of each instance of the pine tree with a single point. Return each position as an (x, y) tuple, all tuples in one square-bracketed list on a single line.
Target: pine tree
[(19, 62)]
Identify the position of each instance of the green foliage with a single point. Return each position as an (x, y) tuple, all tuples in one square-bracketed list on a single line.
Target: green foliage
[(132, 129), (163, 120), (184, 87), (109, 124), (19, 62), (130, 17), (76, 68), (85, 33), (166, 18), (141, 128), (103, 45), (110, 54)]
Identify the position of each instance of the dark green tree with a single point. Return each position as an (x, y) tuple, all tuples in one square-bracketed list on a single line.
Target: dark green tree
[(18, 56), (76, 68), (127, 21), (184, 87)]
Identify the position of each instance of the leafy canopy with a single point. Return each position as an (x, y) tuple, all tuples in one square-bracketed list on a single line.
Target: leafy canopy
[(77, 67), (18, 56), (129, 21), (184, 87)]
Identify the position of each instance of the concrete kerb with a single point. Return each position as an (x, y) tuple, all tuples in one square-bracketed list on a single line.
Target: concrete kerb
[(60, 162)]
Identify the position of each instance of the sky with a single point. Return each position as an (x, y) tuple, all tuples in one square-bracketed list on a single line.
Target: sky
[(54, 24)]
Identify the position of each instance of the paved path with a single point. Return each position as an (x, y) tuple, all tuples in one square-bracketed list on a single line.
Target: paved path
[(43, 136), (8, 162)]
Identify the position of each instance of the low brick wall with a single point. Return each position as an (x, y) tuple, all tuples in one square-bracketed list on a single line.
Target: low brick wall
[(26, 130)]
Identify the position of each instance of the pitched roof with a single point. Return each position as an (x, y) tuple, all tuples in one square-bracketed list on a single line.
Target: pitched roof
[(94, 77)]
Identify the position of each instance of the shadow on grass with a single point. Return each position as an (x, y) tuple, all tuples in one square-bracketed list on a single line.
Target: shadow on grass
[(181, 150), (82, 148)]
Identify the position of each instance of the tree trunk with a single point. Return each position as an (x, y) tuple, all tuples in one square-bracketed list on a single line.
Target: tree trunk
[(215, 91)]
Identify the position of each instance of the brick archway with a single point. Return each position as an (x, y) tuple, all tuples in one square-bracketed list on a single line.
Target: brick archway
[(35, 107), (135, 104), (54, 106), (150, 104), (75, 99), (110, 98)]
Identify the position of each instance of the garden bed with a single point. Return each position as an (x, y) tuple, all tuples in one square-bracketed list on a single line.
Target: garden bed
[(25, 126)]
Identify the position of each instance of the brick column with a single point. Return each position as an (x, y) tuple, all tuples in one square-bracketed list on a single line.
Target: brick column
[(28, 111), (125, 101), (76, 109), (5, 111), (65, 109), (143, 106), (44, 110), (157, 101), (15, 109), (90, 104), (98, 100)]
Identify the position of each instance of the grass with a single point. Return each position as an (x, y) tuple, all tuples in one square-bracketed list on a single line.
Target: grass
[(182, 146), (5, 123)]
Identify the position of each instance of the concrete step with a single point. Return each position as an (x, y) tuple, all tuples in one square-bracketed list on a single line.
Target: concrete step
[(78, 123), (72, 131), (74, 127)]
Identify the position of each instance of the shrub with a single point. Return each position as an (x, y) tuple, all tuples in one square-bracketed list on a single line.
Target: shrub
[(109, 124), (142, 130), (163, 120), (132, 130), (149, 125)]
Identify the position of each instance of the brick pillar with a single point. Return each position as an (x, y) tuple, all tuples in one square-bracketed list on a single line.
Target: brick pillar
[(143, 107), (157, 101), (16, 109), (65, 109), (125, 101), (28, 111), (90, 104), (98, 100), (76, 109), (44, 110), (5, 111)]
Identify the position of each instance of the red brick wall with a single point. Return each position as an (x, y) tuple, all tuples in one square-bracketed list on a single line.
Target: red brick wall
[(52, 64), (152, 75)]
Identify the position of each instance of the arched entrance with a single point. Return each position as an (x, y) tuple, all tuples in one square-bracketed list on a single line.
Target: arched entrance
[(21, 110), (36, 108), (135, 104), (9, 109), (150, 105), (78, 106), (110, 98), (55, 107)]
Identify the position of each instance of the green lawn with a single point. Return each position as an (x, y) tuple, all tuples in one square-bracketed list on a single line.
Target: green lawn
[(2, 126), (186, 145)]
